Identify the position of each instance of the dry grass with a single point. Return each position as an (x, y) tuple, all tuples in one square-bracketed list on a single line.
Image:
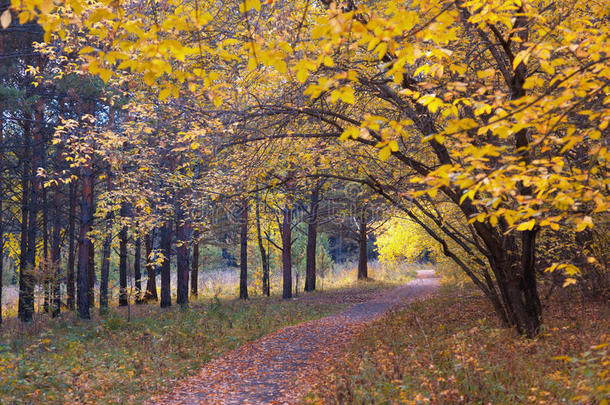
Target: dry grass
[(134, 352), (450, 350), (224, 283), (113, 360)]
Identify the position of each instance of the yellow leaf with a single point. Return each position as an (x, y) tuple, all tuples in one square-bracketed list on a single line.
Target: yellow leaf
[(569, 281), (165, 93), (586, 222), (350, 132), (522, 56), (46, 6), (105, 74), (248, 5), (384, 153), (5, 19), (381, 49), (347, 95), (302, 75), (527, 226)]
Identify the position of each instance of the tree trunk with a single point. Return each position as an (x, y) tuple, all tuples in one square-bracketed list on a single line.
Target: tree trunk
[(515, 277), (533, 306), (312, 235), (151, 269), (83, 250), (123, 299), (261, 247), (71, 235), (105, 269), (166, 248), (517, 285), (91, 252), (105, 265), (56, 254), (30, 257), (243, 257), (195, 269), (363, 272), (287, 253), (91, 268), (46, 265), (182, 267), (56, 241), (26, 292), (137, 258)]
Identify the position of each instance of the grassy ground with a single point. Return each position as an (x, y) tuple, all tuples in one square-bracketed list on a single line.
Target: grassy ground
[(125, 357), (450, 350)]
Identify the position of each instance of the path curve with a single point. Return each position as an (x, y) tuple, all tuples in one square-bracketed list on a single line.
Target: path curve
[(268, 370)]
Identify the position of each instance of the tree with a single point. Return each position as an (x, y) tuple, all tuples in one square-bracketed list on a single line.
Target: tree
[(486, 108), (243, 257), (312, 233)]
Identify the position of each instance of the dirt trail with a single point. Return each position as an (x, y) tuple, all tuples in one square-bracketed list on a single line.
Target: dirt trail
[(274, 369)]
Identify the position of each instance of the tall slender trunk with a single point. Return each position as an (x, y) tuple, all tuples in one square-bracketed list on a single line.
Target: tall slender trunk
[(56, 239), (30, 255), (71, 236), (123, 300), (363, 272), (28, 303), (91, 270), (287, 252), (105, 269), (137, 258), (91, 254), (83, 250), (166, 249), (243, 257), (56, 254), (26, 292), (107, 245), (195, 268), (105, 265), (182, 251), (151, 268), (312, 235), (45, 266), (261, 247)]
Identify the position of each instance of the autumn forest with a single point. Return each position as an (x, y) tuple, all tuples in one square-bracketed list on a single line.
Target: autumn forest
[(304, 201)]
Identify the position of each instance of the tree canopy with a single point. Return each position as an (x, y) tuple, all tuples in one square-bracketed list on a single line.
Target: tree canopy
[(483, 123)]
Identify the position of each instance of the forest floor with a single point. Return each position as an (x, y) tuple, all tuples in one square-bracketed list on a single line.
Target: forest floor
[(277, 367), (133, 352), (451, 349)]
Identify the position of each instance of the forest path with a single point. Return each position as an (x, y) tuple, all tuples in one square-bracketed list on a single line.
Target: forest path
[(274, 369)]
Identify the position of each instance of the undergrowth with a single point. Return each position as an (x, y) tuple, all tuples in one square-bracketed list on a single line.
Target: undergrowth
[(114, 359), (451, 350)]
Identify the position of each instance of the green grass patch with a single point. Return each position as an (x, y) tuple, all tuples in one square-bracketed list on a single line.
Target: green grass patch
[(451, 350)]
